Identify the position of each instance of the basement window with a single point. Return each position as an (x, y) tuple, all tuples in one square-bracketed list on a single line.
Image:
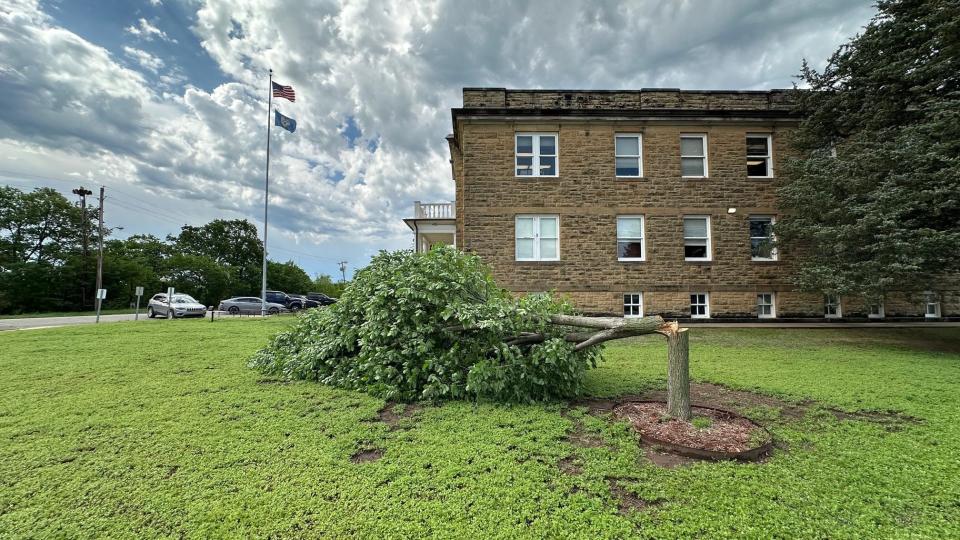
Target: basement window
[(633, 305), (536, 154), (696, 238), (700, 305), (759, 157), (628, 150), (766, 306), (876, 310), (537, 238), (831, 306), (931, 304), (693, 156)]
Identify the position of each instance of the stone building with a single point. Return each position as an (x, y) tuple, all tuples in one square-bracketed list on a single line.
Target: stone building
[(656, 201)]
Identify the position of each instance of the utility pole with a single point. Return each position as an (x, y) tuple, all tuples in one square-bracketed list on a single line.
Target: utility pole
[(83, 192), (266, 202), (343, 271), (100, 256)]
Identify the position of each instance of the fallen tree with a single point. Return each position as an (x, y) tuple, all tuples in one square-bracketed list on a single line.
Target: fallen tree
[(435, 326)]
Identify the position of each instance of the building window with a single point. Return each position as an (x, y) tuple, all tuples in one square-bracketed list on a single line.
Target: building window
[(538, 238), (700, 305), (831, 306), (537, 154), (630, 245), (633, 305), (766, 307), (696, 238), (875, 310), (931, 303), (759, 157), (628, 155), (693, 156), (761, 238)]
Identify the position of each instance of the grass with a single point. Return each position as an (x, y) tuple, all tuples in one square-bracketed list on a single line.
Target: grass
[(134, 430), (115, 311)]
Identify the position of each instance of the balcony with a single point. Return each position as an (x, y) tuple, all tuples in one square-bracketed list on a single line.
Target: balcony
[(434, 210)]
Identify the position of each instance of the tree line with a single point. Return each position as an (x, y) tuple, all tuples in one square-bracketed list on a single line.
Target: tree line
[(48, 259)]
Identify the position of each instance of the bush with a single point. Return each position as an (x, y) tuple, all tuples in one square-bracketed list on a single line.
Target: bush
[(431, 326)]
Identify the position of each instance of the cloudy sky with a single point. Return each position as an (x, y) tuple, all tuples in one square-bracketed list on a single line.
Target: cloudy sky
[(164, 101)]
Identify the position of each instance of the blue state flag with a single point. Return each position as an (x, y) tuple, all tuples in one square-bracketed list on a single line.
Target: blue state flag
[(286, 123)]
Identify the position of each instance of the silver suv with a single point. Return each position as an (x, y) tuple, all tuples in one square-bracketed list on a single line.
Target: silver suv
[(183, 305)]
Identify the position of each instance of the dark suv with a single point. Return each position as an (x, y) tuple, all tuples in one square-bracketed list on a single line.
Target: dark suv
[(321, 298), (290, 302)]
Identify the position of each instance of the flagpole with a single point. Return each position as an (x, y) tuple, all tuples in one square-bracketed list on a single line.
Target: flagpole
[(266, 201)]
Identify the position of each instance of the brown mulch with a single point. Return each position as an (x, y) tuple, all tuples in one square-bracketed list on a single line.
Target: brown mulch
[(727, 432)]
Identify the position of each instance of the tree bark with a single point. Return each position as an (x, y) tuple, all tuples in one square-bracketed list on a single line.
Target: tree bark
[(678, 373)]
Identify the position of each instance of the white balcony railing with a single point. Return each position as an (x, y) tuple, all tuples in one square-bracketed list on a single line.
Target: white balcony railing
[(433, 210)]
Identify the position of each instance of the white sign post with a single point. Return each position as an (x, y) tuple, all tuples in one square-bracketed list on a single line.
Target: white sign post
[(136, 314), (101, 296), (170, 292)]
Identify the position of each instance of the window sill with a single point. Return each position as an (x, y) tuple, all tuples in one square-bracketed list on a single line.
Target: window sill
[(761, 177), (694, 177), (628, 261), (541, 177), (699, 316), (765, 261), (536, 263), (697, 261), (631, 178)]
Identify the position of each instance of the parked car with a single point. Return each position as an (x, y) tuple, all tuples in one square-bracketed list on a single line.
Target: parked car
[(307, 303), (249, 305), (321, 298), (183, 305), (290, 302)]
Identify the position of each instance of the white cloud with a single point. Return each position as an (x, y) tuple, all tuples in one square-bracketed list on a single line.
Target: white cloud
[(395, 67), (144, 59), (145, 30)]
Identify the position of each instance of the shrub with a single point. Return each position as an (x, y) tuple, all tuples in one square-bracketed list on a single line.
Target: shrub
[(431, 326)]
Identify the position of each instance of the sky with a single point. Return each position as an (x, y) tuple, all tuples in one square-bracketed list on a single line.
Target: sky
[(164, 102)]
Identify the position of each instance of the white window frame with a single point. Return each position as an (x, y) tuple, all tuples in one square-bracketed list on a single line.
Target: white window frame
[(768, 156), (536, 236), (535, 155), (643, 239), (931, 298), (838, 304), (628, 301), (773, 305), (706, 168), (639, 156), (880, 314), (709, 256), (705, 304), (773, 252)]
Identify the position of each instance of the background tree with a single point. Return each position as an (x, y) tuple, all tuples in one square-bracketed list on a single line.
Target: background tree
[(322, 283), (234, 244), (287, 277), (873, 201), (200, 276)]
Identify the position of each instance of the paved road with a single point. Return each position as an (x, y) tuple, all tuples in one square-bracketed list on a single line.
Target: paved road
[(46, 322)]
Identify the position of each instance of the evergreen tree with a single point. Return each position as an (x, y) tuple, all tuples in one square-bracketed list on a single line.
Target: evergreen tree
[(873, 200)]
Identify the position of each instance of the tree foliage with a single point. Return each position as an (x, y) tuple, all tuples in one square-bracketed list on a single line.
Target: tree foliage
[(873, 201), (288, 277), (431, 326)]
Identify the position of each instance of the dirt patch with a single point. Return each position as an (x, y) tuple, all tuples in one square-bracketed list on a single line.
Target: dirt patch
[(569, 466), (665, 459), (890, 420), (712, 430), (583, 439), (364, 456), (626, 500), (389, 415), (171, 470)]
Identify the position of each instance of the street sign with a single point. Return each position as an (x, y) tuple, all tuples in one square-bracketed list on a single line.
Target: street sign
[(139, 291), (136, 314), (101, 294)]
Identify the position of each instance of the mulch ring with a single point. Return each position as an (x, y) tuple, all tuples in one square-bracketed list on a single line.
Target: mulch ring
[(721, 435)]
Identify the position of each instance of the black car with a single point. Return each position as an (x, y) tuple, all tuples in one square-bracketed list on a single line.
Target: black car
[(321, 298), (307, 303), (292, 303)]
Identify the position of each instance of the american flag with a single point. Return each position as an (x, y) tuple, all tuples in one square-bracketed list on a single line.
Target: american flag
[(280, 90)]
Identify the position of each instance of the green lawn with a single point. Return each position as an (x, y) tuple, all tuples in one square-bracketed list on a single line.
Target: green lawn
[(115, 311), (135, 430)]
